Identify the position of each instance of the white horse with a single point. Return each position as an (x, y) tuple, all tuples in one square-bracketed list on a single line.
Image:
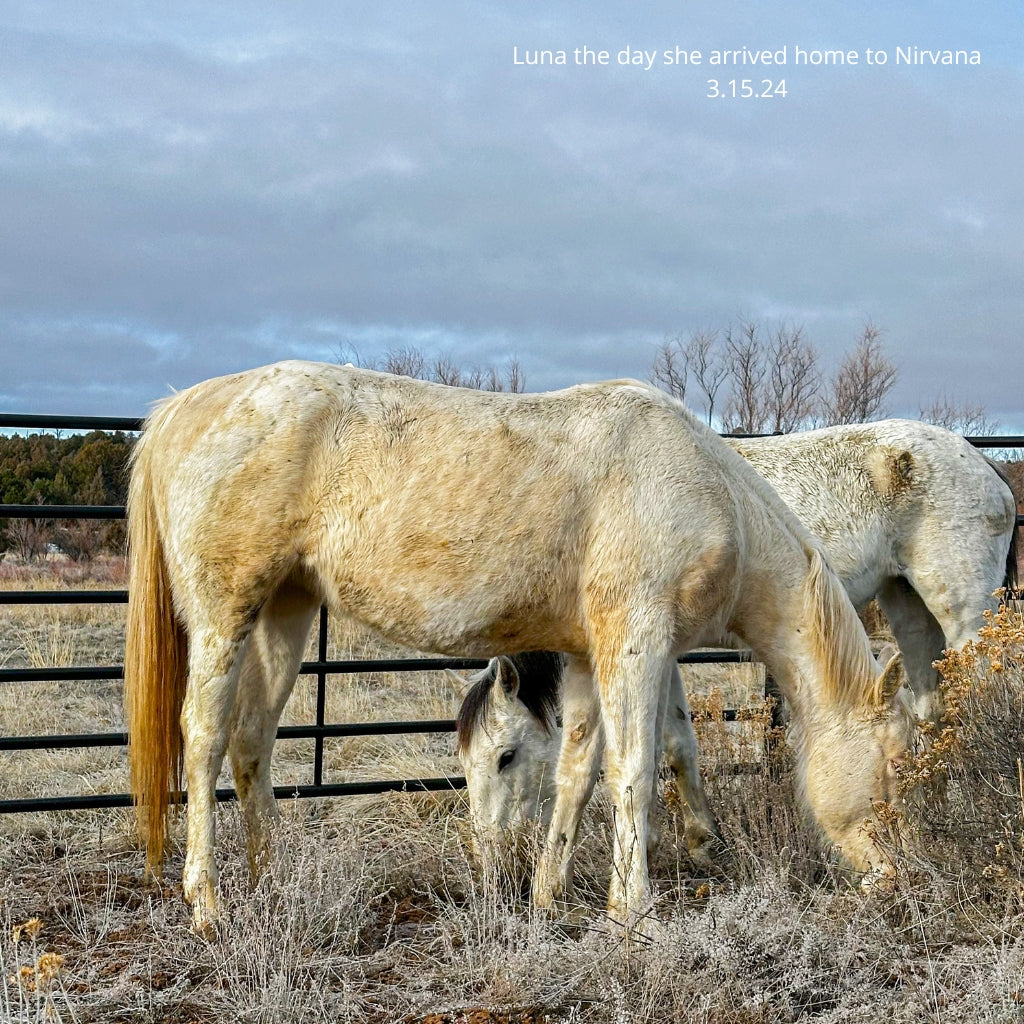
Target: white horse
[(604, 521), (908, 513)]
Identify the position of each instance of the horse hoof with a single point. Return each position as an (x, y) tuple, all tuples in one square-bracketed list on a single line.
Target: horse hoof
[(206, 929), (708, 853), (205, 919)]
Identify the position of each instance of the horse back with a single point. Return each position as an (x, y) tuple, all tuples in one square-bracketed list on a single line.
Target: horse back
[(877, 493), (449, 519)]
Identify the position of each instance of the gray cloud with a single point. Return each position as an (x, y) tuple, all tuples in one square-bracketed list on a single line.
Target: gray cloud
[(188, 193)]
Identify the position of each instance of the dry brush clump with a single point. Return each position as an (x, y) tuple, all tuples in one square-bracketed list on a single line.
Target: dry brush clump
[(966, 787), (31, 982), (53, 573)]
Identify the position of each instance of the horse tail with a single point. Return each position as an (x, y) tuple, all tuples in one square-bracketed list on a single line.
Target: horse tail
[(155, 662), (1010, 578)]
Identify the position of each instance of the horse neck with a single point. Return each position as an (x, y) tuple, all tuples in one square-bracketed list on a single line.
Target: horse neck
[(773, 624)]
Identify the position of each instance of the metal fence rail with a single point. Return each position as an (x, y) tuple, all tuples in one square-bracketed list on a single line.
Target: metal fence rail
[(321, 668)]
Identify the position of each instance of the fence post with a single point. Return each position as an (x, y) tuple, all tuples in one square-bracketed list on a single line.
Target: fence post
[(321, 699), (778, 720)]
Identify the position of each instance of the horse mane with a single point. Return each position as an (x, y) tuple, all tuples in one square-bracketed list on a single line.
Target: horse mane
[(840, 645), (540, 678)]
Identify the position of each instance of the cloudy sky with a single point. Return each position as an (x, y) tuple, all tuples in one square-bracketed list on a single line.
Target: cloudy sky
[(189, 189)]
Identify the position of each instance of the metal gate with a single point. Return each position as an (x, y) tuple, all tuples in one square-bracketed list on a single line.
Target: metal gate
[(321, 668)]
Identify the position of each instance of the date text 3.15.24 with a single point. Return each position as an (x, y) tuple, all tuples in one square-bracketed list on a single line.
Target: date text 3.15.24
[(745, 89)]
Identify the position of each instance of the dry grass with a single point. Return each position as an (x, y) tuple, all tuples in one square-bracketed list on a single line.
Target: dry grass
[(373, 911)]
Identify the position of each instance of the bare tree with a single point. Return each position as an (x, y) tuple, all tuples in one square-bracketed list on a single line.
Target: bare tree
[(447, 371), (669, 370), (346, 354), (961, 417), (407, 361), (747, 364), (515, 379), (28, 537), (80, 539), (860, 386), (704, 360), (794, 384)]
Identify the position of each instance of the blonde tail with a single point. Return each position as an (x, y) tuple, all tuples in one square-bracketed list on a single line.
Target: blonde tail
[(155, 663)]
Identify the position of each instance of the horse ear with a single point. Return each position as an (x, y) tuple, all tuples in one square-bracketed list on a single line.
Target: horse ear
[(886, 653), (458, 683), (889, 681), (505, 676)]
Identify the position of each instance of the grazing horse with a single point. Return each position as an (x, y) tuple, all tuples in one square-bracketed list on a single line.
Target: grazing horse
[(907, 512), (603, 520)]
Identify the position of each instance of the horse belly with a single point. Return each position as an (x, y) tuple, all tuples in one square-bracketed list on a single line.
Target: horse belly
[(453, 601)]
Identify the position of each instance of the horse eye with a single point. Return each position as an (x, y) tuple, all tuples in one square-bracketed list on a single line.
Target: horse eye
[(506, 759)]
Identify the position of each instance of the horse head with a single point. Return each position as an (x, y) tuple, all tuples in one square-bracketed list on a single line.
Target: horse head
[(853, 747), (507, 742)]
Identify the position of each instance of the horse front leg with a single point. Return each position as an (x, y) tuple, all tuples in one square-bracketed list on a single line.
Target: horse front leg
[(631, 683), (579, 761)]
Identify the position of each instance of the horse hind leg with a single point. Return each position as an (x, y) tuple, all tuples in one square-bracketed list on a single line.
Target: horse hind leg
[(215, 657), (700, 829), (949, 586), (921, 641), (270, 666)]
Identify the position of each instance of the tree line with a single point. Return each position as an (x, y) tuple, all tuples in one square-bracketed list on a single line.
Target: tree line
[(53, 469), (753, 378)]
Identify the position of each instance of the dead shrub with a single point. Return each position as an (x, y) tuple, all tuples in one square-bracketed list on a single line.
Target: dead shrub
[(966, 787)]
